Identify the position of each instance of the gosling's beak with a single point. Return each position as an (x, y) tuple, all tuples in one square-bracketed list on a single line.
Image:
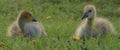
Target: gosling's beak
[(85, 15), (34, 19)]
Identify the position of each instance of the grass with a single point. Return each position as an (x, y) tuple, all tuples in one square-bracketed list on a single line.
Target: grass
[(65, 17)]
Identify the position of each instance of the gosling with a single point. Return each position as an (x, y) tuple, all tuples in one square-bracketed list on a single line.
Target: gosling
[(93, 26), (26, 25)]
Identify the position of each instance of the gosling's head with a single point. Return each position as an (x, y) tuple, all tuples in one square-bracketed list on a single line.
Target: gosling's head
[(26, 16), (89, 12)]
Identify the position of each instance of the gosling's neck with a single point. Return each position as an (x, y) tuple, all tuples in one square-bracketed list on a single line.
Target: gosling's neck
[(90, 22), (21, 23)]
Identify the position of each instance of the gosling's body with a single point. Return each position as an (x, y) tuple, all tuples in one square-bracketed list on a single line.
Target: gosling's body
[(93, 25), (34, 29), (99, 26)]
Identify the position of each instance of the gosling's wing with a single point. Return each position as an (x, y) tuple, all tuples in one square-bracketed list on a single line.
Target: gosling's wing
[(105, 25), (42, 29)]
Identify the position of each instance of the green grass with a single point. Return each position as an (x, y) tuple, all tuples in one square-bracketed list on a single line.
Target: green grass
[(66, 16)]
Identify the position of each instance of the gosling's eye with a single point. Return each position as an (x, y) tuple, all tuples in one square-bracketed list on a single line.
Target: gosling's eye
[(30, 15), (89, 10)]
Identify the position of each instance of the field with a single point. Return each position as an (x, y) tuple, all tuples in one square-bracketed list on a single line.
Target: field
[(60, 19)]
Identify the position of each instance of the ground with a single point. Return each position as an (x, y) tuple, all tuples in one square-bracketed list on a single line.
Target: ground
[(60, 19)]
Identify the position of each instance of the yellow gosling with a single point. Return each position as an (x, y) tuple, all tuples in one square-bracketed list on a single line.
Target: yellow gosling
[(92, 25), (27, 26)]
